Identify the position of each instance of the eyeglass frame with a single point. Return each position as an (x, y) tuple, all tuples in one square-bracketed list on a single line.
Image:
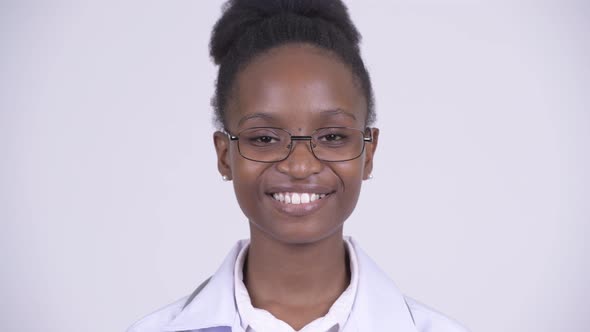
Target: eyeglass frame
[(302, 138)]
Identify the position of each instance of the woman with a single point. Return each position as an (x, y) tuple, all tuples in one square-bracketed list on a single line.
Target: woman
[(294, 106)]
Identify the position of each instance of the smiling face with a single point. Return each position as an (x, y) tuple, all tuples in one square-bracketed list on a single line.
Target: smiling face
[(299, 88)]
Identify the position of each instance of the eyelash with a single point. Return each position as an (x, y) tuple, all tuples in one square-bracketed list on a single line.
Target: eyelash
[(261, 139), (338, 137)]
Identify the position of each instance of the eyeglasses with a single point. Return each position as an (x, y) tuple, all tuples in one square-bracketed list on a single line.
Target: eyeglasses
[(268, 145)]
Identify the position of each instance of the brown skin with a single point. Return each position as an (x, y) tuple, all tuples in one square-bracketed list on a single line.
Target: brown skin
[(297, 265)]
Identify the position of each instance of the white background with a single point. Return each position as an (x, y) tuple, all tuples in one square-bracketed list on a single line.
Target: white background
[(111, 205)]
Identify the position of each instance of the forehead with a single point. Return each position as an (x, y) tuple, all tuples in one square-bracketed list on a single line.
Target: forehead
[(296, 86)]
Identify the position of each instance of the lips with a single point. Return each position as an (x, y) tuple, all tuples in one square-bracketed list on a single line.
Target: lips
[(299, 200)]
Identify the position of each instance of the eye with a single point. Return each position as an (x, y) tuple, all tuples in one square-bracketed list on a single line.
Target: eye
[(263, 139), (332, 137), (336, 137)]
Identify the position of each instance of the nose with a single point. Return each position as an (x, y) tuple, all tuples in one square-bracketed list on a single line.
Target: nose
[(301, 162)]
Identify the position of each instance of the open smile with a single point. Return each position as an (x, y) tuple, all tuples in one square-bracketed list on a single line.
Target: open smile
[(298, 204)]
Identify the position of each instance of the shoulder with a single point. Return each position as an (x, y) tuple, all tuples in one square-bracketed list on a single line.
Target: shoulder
[(155, 321), (427, 319)]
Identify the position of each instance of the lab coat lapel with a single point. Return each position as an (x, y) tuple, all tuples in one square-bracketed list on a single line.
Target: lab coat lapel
[(214, 306), (379, 305)]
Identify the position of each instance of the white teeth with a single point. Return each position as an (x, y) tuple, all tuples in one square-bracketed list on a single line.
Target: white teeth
[(304, 198), (297, 198)]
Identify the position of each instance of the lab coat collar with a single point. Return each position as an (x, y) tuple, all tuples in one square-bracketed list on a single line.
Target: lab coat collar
[(215, 305), (379, 305)]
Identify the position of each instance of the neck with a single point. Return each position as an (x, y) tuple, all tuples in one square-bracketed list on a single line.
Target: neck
[(296, 275)]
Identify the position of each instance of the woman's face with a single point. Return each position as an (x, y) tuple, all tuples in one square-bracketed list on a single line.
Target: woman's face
[(299, 88)]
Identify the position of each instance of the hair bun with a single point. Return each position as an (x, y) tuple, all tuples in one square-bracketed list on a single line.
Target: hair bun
[(239, 15)]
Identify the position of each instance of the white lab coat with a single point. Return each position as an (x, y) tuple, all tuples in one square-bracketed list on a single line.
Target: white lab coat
[(379, 306)]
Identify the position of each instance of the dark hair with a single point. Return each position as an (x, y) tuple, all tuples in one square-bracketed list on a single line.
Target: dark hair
[(248, 28)]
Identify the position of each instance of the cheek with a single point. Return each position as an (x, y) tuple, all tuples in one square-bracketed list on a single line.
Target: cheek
[(350, 171), (351, 177), (246, 181)]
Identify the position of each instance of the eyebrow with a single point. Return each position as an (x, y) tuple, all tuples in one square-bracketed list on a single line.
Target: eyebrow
[(267, 116), (264, 116), (337, 112)]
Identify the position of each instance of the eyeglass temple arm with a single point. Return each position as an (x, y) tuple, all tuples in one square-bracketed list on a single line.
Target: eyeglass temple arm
[(370, 138), (230, 136)]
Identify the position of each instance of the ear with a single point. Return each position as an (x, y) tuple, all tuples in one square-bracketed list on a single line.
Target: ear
[(370, 148), (222, 142)]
